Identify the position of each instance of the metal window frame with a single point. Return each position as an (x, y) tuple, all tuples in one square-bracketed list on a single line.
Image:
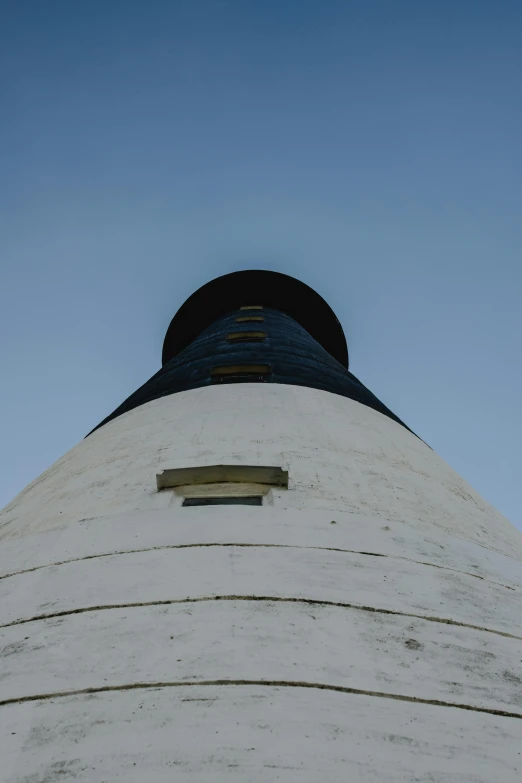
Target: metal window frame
[(232, 373), (244, 319), (244, 337)]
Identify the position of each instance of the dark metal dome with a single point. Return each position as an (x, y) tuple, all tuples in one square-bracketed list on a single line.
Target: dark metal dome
[(254, 327), (255, 286)]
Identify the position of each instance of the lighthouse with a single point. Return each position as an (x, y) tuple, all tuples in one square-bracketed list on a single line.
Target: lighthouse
[(253, 570)]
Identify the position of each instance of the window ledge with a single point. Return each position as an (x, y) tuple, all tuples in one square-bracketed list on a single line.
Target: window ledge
[(222, 474)]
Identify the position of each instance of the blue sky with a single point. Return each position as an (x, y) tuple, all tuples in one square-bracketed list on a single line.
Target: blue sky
[(371, 149)]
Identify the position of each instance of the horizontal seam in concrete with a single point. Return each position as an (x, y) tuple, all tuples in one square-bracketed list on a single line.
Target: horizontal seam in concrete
[(246, 545), (256, 683), (443, 528), (265, 598)]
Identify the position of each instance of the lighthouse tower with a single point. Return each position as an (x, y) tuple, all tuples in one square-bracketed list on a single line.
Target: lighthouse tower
[(252, 570)]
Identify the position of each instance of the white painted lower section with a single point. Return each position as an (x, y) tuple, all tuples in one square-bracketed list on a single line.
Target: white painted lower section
[(239, 733), (300, 641)]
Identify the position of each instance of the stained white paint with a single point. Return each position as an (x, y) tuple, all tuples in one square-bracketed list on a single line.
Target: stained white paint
[(413, 592), (234, 733)]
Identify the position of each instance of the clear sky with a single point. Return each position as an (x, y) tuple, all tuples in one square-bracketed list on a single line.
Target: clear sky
[(371, 149)]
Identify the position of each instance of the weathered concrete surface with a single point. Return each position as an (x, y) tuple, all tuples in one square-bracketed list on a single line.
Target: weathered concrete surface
[(379, 570), (342, 457), (254, 733), (252, 640)]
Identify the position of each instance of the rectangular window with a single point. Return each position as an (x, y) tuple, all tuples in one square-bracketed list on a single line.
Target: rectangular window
[(223, 485), (244, 319), (250, 500), (252, 307), (232, 373), (243, 337)]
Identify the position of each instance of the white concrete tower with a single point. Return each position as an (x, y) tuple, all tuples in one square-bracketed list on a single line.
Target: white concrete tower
[(253, 571)]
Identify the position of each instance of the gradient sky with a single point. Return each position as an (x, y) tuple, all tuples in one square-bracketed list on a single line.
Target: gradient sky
[(371, 149)]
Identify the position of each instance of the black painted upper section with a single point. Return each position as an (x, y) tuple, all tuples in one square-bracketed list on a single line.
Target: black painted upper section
[(291, 353), (250, 287)]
